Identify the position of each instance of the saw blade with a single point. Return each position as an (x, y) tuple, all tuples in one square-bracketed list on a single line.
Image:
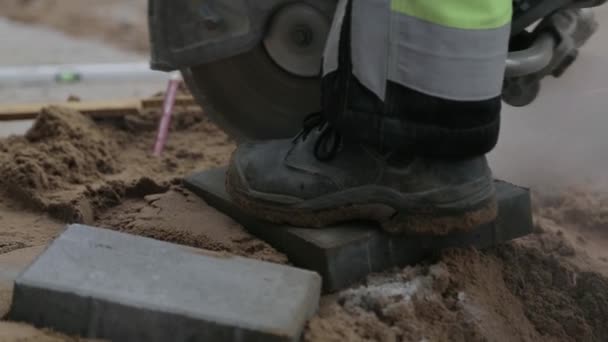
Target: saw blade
[(251, 97)]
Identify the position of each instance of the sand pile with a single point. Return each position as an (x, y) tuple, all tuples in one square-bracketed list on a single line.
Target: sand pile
[(512, 293), (561, 300), (79, 170), (181, 217), (63, 148), (578, 215), (418, 303), (550, 286), (73, 167)]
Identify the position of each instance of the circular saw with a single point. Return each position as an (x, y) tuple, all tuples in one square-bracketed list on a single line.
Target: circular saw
[(254, 66)]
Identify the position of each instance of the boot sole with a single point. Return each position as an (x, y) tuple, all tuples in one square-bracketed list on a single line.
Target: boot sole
[(461, 215)]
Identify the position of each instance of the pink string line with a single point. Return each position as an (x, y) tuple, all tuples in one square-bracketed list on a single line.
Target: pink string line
[(165, 121)]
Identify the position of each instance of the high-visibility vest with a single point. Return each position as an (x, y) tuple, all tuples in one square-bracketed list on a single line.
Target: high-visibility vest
[(452, 49)]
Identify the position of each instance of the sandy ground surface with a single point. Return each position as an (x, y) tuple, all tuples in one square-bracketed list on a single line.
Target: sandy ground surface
[(550, 286)]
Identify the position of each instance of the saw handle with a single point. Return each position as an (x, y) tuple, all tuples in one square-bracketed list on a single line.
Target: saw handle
[(554, 47), (533, 59)]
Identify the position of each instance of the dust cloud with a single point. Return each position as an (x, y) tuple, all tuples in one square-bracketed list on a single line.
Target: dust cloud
[(562, 138)]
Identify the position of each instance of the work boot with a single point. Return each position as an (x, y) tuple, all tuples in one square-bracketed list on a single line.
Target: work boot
[(319, 179)]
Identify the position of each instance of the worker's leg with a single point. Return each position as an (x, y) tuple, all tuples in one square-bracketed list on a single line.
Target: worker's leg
[(406, 119), (415, 122), (406, 161)]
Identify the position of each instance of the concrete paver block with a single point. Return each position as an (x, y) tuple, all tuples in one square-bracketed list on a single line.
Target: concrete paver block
[(346, 253), (98, 283)]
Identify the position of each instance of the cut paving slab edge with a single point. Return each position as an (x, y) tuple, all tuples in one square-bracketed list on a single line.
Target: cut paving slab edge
[(98, 283), (346, 253), (12, 264)]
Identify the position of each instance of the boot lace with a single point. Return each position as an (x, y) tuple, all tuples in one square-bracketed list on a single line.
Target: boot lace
[(328, 142)]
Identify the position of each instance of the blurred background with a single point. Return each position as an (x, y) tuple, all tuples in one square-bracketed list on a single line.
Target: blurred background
[(47, 32), (34, 33)]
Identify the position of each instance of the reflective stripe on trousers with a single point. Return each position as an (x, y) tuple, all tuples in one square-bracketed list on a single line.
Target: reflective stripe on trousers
[(456, 51)]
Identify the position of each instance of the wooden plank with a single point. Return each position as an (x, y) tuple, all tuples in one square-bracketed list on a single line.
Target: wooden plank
[(180, 101), (96, 109)]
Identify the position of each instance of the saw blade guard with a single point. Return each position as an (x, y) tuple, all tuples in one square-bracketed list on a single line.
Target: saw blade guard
[(255, 65)]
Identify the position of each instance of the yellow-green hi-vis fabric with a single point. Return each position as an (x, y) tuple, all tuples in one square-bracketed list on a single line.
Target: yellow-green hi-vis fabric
[(463, 14), (453, 49)]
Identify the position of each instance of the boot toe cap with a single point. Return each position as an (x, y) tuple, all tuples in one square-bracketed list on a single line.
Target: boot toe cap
[(258, 167), (263, 173)]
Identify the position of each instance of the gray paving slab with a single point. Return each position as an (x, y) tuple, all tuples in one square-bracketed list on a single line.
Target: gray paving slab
[(346, 253), (98, 283)]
